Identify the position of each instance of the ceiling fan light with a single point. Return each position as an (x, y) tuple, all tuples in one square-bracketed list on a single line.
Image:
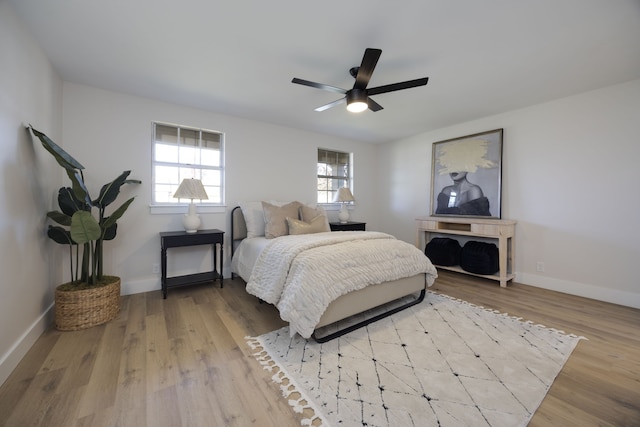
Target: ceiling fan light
[(357, 106), (357, 101)]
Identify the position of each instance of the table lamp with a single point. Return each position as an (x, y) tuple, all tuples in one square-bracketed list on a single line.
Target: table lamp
[(191, 188), (344, 196)]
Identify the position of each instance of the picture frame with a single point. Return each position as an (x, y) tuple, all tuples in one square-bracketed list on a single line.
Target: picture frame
[(466, 176)]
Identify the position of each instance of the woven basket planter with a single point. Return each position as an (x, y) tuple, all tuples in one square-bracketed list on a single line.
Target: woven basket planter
[(82, 309)]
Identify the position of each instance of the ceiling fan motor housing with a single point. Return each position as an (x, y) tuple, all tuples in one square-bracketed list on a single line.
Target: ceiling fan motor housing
[(356, 95)]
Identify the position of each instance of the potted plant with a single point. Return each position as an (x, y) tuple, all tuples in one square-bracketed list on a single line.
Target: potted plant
[(91, 297)]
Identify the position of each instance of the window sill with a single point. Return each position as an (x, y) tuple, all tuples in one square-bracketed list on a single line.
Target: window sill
[(335, 206), (182, 208)]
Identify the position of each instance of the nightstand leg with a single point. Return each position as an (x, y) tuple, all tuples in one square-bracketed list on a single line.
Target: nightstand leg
[(221, 263), (163, 263)]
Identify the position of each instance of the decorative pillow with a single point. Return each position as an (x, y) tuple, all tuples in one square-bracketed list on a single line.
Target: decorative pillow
[(308, 213), (254, 218), (317, 225), (275, 218)]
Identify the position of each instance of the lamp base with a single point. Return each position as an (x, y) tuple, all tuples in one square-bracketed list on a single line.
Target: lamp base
[(191, 223), (191, 220), (343, 216)]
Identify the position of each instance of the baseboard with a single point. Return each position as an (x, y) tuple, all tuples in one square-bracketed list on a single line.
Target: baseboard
[(20, 348), (614, 296), (131, 287)]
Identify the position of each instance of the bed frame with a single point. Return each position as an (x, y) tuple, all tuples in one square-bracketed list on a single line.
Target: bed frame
[(355, 302)]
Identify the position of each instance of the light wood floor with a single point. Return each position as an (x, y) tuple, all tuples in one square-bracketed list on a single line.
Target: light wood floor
[(184, 362)]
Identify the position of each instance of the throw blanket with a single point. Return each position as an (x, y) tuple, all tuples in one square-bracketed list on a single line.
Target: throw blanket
[(301, 275)]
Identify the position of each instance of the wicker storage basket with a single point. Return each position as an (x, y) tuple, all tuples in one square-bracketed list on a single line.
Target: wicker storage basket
[(81, 309)]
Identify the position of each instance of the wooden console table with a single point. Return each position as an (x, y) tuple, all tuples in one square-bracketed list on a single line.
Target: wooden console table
[(174, 239), (502, 230)]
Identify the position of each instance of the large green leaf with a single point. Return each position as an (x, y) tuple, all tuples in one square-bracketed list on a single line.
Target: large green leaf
[(60, 218), (115, 216), (63, 158), (68, 202), (84, 227), (60, 235), (79, 189), (109, 192), (110, 233)]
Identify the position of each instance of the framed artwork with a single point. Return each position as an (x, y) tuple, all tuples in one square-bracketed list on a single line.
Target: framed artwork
[(466, 176)]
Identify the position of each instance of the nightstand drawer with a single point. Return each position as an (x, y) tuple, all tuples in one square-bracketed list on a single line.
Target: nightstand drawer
[(348, 226)]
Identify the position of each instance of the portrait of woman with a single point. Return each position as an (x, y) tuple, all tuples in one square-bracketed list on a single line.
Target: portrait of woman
[(466, 175), (462, 198)]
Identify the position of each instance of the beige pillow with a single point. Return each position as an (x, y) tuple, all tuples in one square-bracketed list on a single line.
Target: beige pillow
[(275, 218), (308, 213), (317, 225)]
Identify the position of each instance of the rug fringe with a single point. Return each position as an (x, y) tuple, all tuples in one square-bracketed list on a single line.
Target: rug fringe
[(288, 386)]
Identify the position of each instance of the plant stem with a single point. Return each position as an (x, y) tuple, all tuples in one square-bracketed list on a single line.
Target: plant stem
[(71, 259)]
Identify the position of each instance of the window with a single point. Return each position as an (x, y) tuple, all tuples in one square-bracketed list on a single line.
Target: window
[(181, 152), (334, 171)]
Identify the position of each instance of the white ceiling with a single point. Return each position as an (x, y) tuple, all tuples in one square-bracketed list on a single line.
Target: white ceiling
[(238, 57)]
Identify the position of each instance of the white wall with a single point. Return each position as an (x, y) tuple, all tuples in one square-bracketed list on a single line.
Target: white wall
[(30, 92), (569, 179), (110, 132)]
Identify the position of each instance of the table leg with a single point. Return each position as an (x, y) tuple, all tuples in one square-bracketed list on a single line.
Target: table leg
[(221, 263), (502, 253), (163, 263)]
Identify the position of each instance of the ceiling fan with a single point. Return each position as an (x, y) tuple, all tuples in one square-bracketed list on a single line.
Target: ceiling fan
[(357, 98)]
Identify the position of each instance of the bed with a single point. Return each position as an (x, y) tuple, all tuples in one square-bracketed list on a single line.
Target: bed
[(316, 277)]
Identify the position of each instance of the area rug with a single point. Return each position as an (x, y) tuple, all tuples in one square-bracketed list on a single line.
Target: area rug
[(443, 362)]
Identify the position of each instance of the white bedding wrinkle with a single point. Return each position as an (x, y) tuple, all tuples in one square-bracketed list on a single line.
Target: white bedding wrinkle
[(303, 274)]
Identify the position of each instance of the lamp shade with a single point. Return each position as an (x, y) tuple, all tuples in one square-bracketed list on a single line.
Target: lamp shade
[(344, 195), (191, 188)]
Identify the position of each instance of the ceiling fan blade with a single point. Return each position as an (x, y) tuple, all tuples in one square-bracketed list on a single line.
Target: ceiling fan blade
[(373, 105), (397, 86), (331, 104), (318, 85), (369, 61)]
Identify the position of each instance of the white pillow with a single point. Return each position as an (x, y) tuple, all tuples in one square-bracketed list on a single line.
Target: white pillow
[(254, 218)]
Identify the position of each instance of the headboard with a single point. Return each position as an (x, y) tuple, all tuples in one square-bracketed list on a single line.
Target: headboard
[(238, 228)]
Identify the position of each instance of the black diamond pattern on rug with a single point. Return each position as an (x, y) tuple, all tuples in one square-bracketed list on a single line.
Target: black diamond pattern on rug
[(443, 362)]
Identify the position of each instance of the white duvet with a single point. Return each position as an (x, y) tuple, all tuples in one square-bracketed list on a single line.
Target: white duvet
[(301, 275)]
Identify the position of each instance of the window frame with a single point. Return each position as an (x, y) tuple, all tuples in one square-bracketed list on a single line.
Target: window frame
[(348, 179), (204, 206)]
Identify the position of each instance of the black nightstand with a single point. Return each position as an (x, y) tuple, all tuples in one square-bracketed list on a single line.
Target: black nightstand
[(174, 239), (348, 226)]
